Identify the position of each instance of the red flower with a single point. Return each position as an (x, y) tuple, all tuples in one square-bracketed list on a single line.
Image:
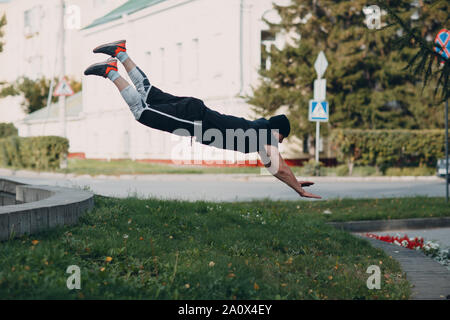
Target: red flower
[(403, 241)]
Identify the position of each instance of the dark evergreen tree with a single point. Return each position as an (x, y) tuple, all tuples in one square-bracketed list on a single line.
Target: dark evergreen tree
[(426, 62), (367, 84)]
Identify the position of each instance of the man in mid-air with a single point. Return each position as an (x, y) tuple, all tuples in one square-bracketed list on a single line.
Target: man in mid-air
[(188, 116)]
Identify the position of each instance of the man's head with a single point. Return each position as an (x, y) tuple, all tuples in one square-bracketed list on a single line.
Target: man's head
[(280, 123)]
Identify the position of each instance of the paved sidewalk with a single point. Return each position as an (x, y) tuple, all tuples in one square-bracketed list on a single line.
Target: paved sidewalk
[(236, 187), (430, 279)]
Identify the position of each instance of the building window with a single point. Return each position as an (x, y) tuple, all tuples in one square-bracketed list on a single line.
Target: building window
[(148, 60), (220, 54), (196, 59), (267, 40), (36, 66), (162, 53), (31, 21), (99, 3), (306, 144), (180, 62)]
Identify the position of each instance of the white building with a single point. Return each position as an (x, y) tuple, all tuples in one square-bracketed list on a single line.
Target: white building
[(32, 42), (210, 49)]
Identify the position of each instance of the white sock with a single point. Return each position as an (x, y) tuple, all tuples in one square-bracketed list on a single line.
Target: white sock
[(113, 75), (122, 56)]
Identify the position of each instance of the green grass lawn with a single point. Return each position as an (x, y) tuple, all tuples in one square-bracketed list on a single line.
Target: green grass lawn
[(181, 250), (378, 209), (121, 167)]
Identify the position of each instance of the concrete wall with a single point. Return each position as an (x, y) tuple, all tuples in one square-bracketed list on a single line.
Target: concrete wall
[(7, 199), (43, 208), (210, 49)]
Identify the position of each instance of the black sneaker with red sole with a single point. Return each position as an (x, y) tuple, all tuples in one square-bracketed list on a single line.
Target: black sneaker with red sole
[(112, 48), (102, 68)]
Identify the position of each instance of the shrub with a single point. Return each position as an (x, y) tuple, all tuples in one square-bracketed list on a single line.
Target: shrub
[(10, 152), (40, 153), (389, 148), (342, 170), (418, 171), (7, 130), (365, 171)]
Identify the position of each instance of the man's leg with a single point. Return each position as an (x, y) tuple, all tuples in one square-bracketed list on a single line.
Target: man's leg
[(108, 69), (140, 80), (131, 97), (165, 117), (161, 110)]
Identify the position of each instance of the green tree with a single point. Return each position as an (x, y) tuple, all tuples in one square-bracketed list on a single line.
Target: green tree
[(426, 62), (367, 84), (2, 33), (7, 130), (35, 92)]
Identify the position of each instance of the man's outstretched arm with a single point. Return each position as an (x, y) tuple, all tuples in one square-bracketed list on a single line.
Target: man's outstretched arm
[(279, 168)]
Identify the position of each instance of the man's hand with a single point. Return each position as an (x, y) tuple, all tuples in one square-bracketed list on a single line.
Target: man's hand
[(306, 183), (306, 194), (278, 167)]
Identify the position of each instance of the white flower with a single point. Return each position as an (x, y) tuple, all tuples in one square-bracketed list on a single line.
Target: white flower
[(125, 236), (435, 245)]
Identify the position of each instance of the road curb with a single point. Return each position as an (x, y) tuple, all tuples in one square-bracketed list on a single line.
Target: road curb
[(246, 177), (387, 225), (29, 209), (430, 280)]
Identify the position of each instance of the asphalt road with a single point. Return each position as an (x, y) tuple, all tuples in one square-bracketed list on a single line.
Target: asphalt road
[(239, 187)]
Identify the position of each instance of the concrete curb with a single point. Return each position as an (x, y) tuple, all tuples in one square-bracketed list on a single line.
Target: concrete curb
[(397, 224), (40, 208), (431, 280), (204, 177)]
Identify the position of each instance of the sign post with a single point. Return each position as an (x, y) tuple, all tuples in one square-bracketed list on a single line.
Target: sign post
[(442, 47), (447, 179), (319, 110), (63, 89)]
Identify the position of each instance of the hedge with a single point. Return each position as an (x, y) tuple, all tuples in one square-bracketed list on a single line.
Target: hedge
[(389, 148), (7, 130), (33, 152)]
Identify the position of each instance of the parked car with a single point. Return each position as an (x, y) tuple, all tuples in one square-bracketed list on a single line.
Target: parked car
[(440, 168)]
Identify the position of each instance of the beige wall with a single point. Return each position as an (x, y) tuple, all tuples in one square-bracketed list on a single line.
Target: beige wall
[(186, 48), (35, 52), (201, 41)]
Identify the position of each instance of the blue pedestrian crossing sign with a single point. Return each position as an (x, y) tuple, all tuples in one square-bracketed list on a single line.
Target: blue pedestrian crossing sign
[(318, 111)]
